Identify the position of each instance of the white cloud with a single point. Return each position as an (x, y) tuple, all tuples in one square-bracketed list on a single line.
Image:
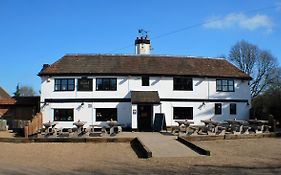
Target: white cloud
[(240, 20)]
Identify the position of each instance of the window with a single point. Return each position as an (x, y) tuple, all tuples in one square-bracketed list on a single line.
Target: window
[(145, 80), (218, 108), (63, 115), (225, 85), (64, 84), (106, 84), (183, 83), (105, 114), (85, 84), (183, 113), (232, 108)]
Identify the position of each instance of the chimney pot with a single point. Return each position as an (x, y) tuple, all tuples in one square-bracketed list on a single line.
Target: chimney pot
[(45, 66)]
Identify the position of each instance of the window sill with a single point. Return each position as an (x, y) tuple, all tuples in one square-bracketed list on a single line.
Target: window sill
[(65, 91), (106, 90), (181, 90)]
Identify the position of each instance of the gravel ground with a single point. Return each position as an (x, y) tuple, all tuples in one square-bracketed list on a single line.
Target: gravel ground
[(251, 156)]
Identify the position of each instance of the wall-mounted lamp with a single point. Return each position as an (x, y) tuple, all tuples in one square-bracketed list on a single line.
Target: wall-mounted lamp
[(80, 106), (201, 106), (48, 78), (44, 104)]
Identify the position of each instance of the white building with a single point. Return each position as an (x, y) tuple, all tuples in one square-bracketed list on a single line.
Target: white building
[(132, 88)]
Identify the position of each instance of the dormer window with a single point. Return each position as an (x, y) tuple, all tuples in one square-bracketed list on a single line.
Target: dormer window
[(145, 80)]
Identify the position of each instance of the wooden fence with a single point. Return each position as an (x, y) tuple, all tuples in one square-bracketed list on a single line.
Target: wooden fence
[(34, 125)]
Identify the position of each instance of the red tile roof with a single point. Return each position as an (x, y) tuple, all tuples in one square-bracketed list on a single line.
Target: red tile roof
[(142, 65), (3, 93), (24, 101), (7, 101)]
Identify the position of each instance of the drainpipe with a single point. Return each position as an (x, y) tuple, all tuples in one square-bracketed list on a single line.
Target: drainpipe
[(128, 83), (208, 88)]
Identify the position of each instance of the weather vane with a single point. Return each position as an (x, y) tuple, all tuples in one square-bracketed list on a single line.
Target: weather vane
[(142, 33)]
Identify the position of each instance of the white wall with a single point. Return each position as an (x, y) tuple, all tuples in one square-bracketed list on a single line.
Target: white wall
[(203, 88), (205, 111), (87, 113)]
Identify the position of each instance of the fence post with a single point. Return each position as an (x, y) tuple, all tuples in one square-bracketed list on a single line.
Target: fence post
[(35, 128), (29, 127), (40, 120), (26, 131)]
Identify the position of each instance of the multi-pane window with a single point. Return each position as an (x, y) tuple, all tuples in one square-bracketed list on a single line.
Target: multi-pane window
[(145, 80), (218, 108), (106, 114), (85, 84), (63, 115), (66, 84), (106, 84), (232, 108), (224, 85), (183, 83), (183, 113)]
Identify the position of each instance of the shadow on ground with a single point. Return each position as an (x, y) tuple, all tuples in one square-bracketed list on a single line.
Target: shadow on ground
[(187, 170)]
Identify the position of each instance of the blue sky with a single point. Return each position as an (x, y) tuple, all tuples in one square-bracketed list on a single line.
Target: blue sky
[(34, 32)]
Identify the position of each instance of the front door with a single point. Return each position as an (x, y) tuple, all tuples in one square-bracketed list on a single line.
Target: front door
[(145, 117)]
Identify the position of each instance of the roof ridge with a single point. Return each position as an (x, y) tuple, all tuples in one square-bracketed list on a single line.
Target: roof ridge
[(150, 55)]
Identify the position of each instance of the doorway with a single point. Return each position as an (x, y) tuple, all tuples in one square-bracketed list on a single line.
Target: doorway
[(145, 113)]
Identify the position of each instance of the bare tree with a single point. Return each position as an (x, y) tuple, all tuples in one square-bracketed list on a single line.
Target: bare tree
[(276, 76), (24, 91), (257, 63)]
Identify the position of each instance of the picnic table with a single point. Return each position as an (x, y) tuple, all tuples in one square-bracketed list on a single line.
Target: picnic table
[(184, 122), (259, 126), (238, 126), (49, 129), (214, 127), (80, 130), (183, 125), (96, 130), (112, 124)]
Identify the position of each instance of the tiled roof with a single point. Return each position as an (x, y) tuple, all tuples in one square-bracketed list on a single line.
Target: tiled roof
[(142, 65), (3, 93), (25, 101), (7, 101), (145, 97)]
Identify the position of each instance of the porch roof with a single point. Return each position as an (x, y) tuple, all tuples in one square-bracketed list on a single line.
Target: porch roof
[(145, 97)]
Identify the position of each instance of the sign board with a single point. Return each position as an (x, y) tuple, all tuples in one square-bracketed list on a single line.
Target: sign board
[(159, 122), (134, 111)]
